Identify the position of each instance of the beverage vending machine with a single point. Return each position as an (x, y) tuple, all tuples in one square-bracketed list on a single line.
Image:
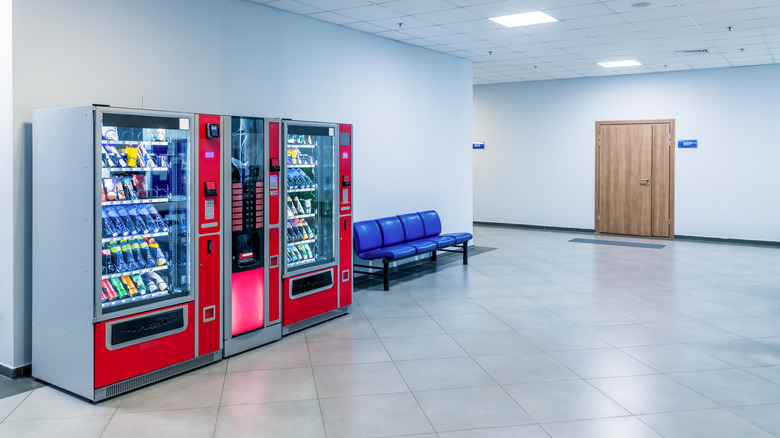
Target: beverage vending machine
[(317, 193), (126, 247), (252, 265)]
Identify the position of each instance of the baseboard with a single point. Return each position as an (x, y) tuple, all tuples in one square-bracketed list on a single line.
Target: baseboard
[(765, 243), (13, 373), (535, 227)]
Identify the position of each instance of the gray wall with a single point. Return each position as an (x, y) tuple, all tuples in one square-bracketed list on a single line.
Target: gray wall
[(538, 167), (411, 107), (7, 332)]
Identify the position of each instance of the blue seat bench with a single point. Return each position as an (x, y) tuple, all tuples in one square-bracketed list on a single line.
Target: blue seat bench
[(398, 237)]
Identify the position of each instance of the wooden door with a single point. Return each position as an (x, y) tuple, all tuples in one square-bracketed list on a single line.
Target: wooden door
[(634, 178)]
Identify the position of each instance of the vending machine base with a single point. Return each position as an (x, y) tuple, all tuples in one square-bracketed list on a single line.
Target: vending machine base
[(292, 328), (155, 376), (248, 341)]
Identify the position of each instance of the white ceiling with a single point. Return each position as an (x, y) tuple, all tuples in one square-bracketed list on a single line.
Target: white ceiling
[(588, 31)]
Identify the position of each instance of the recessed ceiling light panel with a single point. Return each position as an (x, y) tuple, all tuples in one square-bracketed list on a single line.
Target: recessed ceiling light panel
[(613, 64), (524, 19)]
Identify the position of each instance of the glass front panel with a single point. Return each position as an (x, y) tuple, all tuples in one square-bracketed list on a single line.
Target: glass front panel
[(247, 211), (145, 209), (309, 196), (246, 170)]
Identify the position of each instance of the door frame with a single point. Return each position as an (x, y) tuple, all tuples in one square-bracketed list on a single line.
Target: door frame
[(672, 147)]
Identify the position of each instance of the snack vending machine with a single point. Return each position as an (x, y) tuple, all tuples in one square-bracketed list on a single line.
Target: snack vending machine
[(126, 263), (317, 275), (252, 266)]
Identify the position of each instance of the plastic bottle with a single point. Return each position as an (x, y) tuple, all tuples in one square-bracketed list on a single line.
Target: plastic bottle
[(138, 220), (125, 216), (119, 288), (150, 284), (127, 252), (108, 226), (119, 225), (146, 253), (118, 257), (159, 221), (139, 284)]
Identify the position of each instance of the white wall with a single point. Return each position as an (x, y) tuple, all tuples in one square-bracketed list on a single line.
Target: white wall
[(411, 108), (538, 167), (6, 188)]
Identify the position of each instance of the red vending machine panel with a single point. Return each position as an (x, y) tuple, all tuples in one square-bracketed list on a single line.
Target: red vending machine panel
[(209, 311), (345, 213), (120, 353), (274, 217)]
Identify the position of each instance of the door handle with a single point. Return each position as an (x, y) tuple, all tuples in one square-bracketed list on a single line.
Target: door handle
[(644, 181)]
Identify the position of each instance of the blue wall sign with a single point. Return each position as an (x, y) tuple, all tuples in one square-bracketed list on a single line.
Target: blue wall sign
[(478, 145), (693, 144)]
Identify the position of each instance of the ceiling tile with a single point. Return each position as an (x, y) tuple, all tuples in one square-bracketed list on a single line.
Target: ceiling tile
[(333, 5), (412, 7), (611, 30), (332, 17), (499, 8), (598, 21), (587, 10), (449, 16), (294, 6), (664, 24), (407, 22), (627, 5), (428, 31), (655, 14), (452, 38), (365, 27), (473, 25), (368, 13)]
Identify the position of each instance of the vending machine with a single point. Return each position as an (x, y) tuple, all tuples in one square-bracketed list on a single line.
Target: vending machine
[(317, 193), (252, 266), (126, 247)]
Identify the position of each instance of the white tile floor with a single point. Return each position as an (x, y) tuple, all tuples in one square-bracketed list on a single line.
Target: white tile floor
[(538, 338)]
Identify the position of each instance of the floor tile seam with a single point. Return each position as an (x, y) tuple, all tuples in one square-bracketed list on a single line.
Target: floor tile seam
[(416, 400), (243, 371), (221, 395), (5, 419), (414, 394), (731, 409), (694, 346), (720, 405), (623, 349), (29, 393), (314, 382)]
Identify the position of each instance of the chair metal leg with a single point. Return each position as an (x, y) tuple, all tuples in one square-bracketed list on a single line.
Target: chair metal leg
[(433, 257), (466, 252), (386, 264)]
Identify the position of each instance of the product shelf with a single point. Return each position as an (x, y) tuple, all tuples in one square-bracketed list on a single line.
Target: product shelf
[(135, 236), (301, 262), (302, 242), (136, 142), (135, 169), (307, 189), (301, 216), (137, 201), (137, 271)]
